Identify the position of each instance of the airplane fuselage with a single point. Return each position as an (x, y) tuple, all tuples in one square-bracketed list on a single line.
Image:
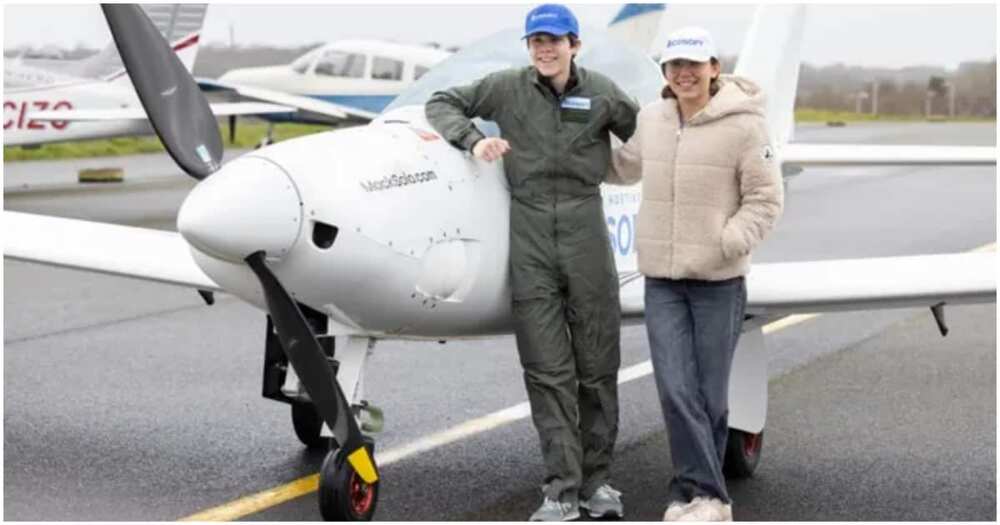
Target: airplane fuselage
[(22, 130), (421, 243)]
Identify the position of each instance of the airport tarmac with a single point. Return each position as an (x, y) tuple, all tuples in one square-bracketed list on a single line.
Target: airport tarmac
[(126, 400)]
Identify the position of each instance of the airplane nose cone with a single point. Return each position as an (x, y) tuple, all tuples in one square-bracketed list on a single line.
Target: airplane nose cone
[(249, 205)]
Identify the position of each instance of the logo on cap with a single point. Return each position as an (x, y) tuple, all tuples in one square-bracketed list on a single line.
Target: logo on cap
[(555, 19), (685, 42)]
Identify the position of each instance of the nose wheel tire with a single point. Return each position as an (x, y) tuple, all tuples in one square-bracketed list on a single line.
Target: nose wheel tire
[(307, 425), (343, 495), (742, 453)]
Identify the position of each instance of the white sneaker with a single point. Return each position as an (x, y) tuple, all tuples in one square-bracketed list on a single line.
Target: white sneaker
[(705, 509), (552, 510), (605, 503), (675, 510), (727, 511)]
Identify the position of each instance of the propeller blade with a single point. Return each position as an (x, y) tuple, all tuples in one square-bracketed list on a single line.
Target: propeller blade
[(176, 107), (310, 363)]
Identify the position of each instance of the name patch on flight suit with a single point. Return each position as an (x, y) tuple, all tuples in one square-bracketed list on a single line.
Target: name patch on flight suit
[(575, 109)]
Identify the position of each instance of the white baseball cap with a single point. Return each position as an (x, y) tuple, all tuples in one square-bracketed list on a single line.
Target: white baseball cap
[(689, 43)]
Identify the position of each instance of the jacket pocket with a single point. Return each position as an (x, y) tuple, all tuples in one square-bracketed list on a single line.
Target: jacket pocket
[(733, 243)]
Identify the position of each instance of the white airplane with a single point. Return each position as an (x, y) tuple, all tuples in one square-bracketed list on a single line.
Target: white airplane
[(364, 76), (387, 231), (48, 101)]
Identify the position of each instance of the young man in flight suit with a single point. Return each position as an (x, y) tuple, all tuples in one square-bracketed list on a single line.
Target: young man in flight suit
[(554, 119)]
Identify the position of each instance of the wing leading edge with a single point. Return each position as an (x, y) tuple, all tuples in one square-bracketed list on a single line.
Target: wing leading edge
[(312, 108), (221, 109), (142, 253), (857, 284)]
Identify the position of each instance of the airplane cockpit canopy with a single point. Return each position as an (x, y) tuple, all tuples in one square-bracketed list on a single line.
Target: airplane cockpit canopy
[(631, 69), (301, 65)]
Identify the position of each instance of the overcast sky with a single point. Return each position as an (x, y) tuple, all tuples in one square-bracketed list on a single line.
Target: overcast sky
[(867, 35)]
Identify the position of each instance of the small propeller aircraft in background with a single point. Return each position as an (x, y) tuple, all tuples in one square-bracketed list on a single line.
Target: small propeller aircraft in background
[(48, 101), (365, 75), (387, 231), (42, 97)]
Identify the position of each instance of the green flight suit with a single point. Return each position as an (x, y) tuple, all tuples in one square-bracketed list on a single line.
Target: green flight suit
[(563, 277)]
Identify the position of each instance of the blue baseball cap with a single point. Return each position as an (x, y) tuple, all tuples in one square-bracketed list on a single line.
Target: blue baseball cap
[(555, 19)]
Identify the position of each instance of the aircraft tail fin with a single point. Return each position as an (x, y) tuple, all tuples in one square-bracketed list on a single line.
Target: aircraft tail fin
[(637, 25), (180, 24), (771, 58)]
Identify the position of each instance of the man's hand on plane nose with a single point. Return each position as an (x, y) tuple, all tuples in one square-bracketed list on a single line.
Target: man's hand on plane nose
[(490, 149)]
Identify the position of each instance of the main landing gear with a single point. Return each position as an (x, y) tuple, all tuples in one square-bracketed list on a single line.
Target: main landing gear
[(344, 495), (747, 402), (267, 139), (742, 454), (308, 425)]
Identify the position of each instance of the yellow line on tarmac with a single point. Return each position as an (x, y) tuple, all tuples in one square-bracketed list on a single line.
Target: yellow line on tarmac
[(257, 502), (266, 499)]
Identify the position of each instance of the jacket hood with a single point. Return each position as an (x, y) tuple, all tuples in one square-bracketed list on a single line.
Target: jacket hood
[(735, 95)]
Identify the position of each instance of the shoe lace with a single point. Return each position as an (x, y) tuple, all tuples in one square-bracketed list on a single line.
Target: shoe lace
[(551, 504)]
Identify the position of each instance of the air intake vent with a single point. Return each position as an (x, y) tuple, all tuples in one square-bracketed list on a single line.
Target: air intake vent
[(324, 235)]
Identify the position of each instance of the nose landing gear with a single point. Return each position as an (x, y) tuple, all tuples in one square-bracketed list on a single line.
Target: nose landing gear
[(343, 494)]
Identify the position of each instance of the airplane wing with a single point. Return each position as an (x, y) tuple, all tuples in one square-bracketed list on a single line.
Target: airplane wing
[(773, 288), (223, 109), (872, 155), (856, 284), (310, 108), (151, 255)]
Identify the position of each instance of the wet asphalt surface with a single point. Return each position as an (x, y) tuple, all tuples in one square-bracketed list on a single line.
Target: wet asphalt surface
[(126, 400)]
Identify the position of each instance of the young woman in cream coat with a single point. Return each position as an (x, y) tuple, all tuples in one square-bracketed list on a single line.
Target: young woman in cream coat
[(712, 190)]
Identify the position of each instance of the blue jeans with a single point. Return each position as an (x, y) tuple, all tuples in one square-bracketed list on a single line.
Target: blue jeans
[(693, 329)]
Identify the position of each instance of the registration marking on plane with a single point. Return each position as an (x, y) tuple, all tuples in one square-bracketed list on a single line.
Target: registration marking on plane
[(275, 496)]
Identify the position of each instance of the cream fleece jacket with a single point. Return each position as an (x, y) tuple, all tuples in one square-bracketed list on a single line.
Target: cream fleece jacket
[(711, 189)]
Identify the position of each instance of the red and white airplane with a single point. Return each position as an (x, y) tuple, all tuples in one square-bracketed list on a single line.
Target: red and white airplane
[(48, 101), (387, 231)]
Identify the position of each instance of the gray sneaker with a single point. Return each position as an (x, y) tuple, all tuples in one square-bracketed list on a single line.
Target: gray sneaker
[(605, 503), (552, 510)]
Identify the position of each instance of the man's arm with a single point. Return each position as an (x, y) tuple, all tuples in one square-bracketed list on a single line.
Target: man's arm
[(623, 114), (451, 111), (626, 161)]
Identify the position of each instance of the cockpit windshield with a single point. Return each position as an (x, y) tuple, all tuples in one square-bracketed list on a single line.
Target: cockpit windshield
[(634, 72), (302, 63)]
